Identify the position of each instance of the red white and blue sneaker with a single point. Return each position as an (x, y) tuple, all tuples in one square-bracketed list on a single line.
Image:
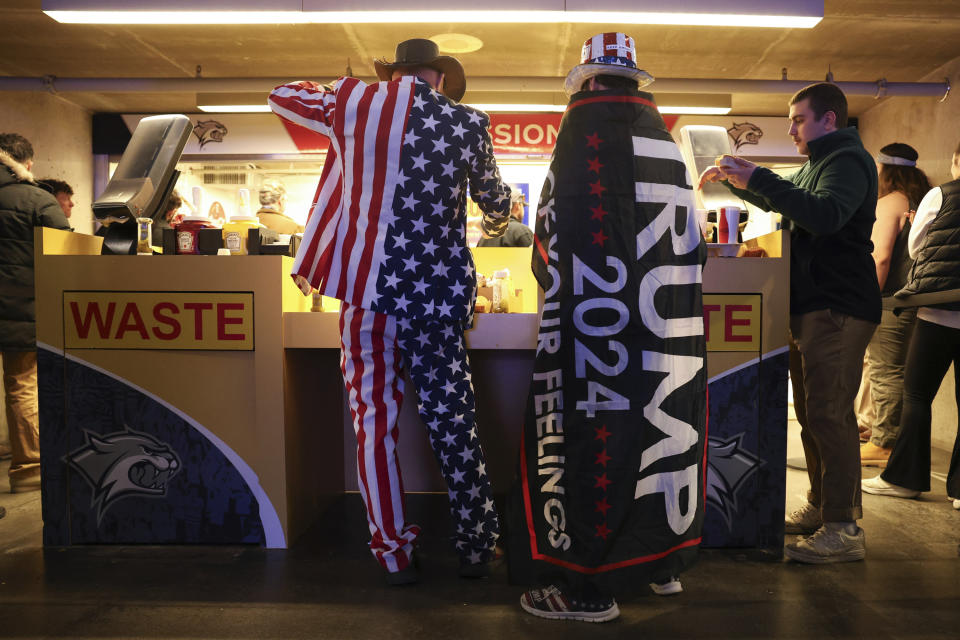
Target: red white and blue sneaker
[(550, 602)]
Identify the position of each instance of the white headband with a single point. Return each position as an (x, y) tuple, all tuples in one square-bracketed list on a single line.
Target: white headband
[(883, 158)]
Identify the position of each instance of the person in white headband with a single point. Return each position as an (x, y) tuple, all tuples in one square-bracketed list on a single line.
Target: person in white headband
[(879, 404), (883, 158)]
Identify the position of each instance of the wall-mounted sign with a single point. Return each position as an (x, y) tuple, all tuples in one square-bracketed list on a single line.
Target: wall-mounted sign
[(209, 321), (731, 322), (524, 132)]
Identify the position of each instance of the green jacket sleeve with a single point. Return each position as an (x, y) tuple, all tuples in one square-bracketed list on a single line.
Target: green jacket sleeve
[(839, 192)]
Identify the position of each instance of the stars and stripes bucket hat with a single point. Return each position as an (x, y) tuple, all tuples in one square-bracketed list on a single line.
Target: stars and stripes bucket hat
[(612, 54)]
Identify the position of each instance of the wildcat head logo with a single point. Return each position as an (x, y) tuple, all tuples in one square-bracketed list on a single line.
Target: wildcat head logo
[(124, 463), (209, 131), (744, 133), (728, 467)]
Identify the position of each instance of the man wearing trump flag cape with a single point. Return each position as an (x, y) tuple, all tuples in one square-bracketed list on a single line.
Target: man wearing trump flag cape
[(611, 469)]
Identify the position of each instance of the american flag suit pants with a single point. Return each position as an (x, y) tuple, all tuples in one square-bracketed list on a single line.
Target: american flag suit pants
[(375, 350)]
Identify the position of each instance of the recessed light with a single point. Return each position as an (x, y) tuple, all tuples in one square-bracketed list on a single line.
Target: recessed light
[(457, 43)]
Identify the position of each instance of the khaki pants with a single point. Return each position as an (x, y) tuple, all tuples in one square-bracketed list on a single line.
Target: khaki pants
[(4, 432), (826, 369), (23, 420), (887, 354)]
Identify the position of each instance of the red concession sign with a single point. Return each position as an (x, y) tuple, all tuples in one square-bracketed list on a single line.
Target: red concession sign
[(527, 133), (524, 132)]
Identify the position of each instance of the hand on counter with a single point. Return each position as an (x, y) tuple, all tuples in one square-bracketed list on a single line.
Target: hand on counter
[(304, 284)]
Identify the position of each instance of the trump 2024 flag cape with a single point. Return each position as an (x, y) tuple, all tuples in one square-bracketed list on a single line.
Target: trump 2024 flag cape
[(612, 462)]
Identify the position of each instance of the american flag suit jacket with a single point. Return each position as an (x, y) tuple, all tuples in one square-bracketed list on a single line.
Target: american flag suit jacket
[(388, 228)]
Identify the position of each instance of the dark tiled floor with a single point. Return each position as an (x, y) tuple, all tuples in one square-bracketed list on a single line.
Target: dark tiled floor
[(326, 586)]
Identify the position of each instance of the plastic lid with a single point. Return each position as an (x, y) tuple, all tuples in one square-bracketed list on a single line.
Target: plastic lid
[(244, 219)]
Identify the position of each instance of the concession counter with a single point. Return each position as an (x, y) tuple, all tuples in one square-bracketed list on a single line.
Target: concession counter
[(198, 400)]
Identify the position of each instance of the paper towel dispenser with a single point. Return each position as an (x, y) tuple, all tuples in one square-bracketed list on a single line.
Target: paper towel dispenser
[(700, 146), (146, 173)]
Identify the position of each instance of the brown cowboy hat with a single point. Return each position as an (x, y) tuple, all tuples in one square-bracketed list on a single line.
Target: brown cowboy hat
[(420, 52)]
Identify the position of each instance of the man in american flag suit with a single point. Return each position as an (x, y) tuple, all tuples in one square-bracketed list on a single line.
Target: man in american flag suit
[(387, 237)]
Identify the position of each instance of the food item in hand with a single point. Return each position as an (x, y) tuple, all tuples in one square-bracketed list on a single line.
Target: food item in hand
[(726, 162)]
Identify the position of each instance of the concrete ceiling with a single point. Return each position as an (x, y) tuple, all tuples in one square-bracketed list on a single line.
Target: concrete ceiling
[(859, 40)]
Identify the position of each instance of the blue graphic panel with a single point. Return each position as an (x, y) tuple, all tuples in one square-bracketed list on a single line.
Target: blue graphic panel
[(125, 469), (53, 446), (746, 458)]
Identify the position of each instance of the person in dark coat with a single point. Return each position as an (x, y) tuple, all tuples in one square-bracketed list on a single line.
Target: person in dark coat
[(62, 191), (24, 205), (168, 219), (517, 233), (830, 207)]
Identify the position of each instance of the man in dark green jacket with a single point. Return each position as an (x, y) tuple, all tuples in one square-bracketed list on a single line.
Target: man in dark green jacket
[(830, 206), (23, 207)]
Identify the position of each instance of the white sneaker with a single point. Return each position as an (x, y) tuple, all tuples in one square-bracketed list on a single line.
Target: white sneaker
[(828, 544), (956, 504), (880, 487), (668, 588), (804, 520)]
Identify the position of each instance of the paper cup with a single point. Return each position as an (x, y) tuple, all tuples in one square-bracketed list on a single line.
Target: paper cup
[(728, 225)]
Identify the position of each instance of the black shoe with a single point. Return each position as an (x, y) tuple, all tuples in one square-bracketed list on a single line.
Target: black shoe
[(3, 512), (408, 575), (483, 569)]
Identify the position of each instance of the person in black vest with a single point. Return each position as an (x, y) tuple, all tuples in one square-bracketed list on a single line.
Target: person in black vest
[(902, 187), (934, 287), (23, 207)]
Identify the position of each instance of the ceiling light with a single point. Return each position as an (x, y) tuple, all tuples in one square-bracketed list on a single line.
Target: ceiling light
[(698, 111), (233, 102), (744, 13), (233, 108), (704, 104), (433, 17), (513, 108), (457, 43), (672, 103), (488, 108)]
